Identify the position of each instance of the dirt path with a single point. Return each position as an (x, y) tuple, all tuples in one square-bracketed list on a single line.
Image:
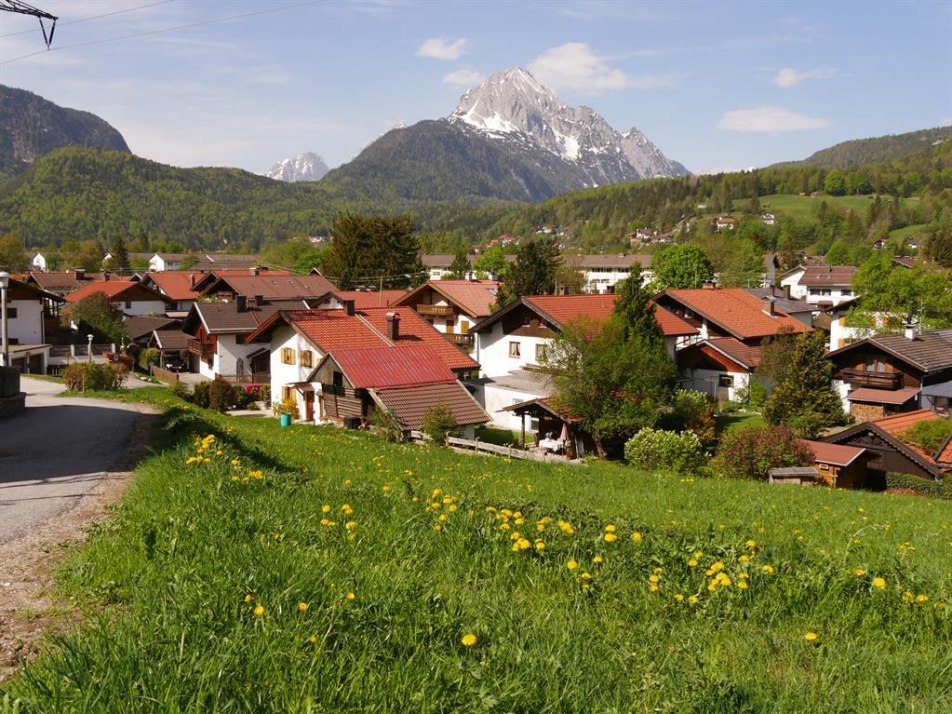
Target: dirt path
[(28, 609)]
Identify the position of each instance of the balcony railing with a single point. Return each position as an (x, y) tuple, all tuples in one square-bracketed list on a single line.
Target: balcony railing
[(436, 310), (464, 340), (869, 378), (247, 378), (202, 349)]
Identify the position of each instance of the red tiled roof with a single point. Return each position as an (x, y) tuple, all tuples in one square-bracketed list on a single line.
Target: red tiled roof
[(828, 276), (333, 330), (737, 311), (414, 329), (897, 424), (376, 298), (834, 454), (386, 367), (476, 297), (176, 284), (113, 289), (671, 325), (565, 308), (883, 396), (410, 404)]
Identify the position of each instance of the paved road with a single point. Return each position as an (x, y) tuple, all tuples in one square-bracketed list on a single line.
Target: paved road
[(55, 452)]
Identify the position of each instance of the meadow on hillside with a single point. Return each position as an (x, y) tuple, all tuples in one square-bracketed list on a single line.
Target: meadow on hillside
[(253, 568)]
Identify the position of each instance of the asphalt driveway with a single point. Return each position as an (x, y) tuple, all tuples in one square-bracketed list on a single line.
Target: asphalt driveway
[(53, 453)]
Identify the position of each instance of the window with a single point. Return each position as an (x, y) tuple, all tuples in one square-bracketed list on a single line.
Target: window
[(464, 326), (514, 349), (450, 327), (128, 304), (12, 313), (338, 378), (725, 380), (541, 351), (286, 393), (307, 358), (287, 355), (846, 293)]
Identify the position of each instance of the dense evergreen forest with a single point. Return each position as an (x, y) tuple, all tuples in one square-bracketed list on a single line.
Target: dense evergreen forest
[(91, 194)]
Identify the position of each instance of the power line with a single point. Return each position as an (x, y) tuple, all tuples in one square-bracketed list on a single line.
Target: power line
[(94, 17), (168, 29)]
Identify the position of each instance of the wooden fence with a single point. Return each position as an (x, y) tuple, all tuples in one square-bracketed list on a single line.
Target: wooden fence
[(164, 375), (510, 452)]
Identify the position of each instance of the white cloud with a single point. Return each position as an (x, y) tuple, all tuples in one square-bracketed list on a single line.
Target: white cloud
[(788, 77), (574, 66), (769, 120), (946, 120), (440, 48), (464, 77)]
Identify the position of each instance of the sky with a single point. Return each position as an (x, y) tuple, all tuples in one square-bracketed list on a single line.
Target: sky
[(715, 85)]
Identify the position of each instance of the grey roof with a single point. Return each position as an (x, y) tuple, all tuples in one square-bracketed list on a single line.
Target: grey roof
[(943, 389), (137, 327), (929, 351), (791, 306)]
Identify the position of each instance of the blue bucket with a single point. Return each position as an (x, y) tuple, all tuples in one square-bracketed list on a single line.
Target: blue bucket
[(285, 420)]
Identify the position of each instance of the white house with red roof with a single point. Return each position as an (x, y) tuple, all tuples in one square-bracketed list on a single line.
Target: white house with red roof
[(129, 297), (822, 285), (453, 306)]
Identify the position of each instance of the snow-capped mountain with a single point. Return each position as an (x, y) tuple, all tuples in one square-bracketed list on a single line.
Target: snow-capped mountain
[(512, 107), (306, 167)]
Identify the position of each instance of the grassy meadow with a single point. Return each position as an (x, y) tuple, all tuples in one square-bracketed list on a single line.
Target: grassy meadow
[(253, 568)]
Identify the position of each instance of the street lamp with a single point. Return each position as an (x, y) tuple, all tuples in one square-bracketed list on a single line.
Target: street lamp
[(4, 339), (89, 347)]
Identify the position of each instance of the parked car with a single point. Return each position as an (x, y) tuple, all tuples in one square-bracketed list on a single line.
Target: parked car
[(175, 364)]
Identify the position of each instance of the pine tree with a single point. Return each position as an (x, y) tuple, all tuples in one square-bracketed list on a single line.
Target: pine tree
[(120, 254), (372, 249), (460, 265), (634, 310), (534, 271)]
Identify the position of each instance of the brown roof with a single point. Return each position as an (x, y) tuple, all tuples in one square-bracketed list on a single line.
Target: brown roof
[(63, 281), (929, 351), (883, 396), (117, 290), (834, 454), (371, 298), (136, 327), (745, 355), (274, 287), (735, 310), (826, 276), (410, 404), (474, 297), (171, 339), (224, 317)]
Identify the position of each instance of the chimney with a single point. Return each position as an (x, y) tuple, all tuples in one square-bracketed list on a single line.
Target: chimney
[(769, 305), (563, 290), (80, 273), (254, 272), (708, 285), (909, 330), (105, 276), (349, 307), (241, 302), (259, 300), (786, 291), (393, 326), (191, 277)]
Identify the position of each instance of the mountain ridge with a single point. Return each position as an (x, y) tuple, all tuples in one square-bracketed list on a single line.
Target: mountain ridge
[(303, 167)]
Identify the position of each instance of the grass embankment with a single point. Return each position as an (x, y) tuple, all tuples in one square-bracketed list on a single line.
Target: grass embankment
[(315, 569)]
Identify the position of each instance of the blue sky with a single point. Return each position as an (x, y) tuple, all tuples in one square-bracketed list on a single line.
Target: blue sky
[(716, 85)]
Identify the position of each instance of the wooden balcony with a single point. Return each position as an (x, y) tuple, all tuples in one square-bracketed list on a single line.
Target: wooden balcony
[(247, 378), (869, 378), (436, 310), (463, 340), (204, 350)]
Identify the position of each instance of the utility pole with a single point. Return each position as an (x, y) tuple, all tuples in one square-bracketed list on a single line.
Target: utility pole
[(23, 9)]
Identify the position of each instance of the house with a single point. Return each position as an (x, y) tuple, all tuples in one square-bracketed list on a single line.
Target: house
[(560, 432), (453, 306), (267, 286), (167, 261), (603, 272), (887, 374), (139, 329), (371, 298), (297, 340), (837, 465), (511, 343), (38, 261), (172, 345), (63, 282), (32, 315), (731, 323), (203, 262), (437, 265), (127, 296), (889, 449), (725, 224), (823, 285), (405, 381)]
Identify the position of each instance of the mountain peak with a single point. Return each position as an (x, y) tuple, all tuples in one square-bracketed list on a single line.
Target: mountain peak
[(306, 167)]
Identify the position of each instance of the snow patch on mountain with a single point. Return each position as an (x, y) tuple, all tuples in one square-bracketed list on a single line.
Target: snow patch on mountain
[(306, 167)]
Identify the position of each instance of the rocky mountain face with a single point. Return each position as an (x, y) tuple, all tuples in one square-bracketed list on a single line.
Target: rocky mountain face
[(31, 126), (512, 107), (510, 139), (306, 167)]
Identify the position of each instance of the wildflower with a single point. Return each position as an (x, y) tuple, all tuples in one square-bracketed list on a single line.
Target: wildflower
[(326, 508), (350, 525), (259, 610), (540, 545), (302, 607), (811, 636), (443, 518), (571, 565), (768, 570), (859, 572), (907, 596), (715, 568), (249, 597), (637, 537), (312, 639), (921, 597), (693, 600), (437, 527), (692, 563), (610, 528), (469, 639), (679, 597), (586, 576), (654, 579), (350, 597), (744, 559), (751, 544), (879, 583), (346, 509), (741, 584), (610, 537), (598, 560)]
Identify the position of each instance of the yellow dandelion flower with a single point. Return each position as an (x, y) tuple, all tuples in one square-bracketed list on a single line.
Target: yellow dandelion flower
[(443, 518), (312, 639), (302, 607), (654, 587), (586, 576), (637, 537), (468, 640), (879, 583), (540, 545), (751, 544), (811, 636), (249, 597), (259, 610), (679, 597), (326, 508), (741, 584), (346, 509), (611, 528), (693, 600), (610, 537), (859, 572), (768, 570), (437, 527), (350, 597), (598, 560), (921, 597), (571, 565), (744, 559)]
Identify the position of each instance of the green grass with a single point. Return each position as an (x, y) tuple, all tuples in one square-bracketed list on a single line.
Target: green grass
[(909, 231), (804, 207), (737, 420), (501, 437), (169, 585)]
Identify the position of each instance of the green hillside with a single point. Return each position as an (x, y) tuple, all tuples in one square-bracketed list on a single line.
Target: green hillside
[(253, 568), (855, 153)]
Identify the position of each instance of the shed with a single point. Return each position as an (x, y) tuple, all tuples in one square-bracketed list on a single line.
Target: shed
[(796, 475)]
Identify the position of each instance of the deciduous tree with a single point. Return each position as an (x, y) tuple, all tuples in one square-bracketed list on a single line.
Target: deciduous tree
[(681, 266)]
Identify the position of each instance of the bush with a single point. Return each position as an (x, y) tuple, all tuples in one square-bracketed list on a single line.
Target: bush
[(692, 411), (287, 406), (200, 394), (929, 435), (81, 376), (654, 449), (927, 487), (438, 423), (221, 395), (147, 358), (180, 390), (751, 452), (385, 421)]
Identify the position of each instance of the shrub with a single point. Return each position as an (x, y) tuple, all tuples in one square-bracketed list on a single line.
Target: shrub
[(385, 421), (264, 393), (930, 435), (81, 376), (147, 358), (287, 406), (200, 394), (753, 451), (654, 449), (438, 423), (221, 395), (180, 390), (927, 487), (692, 411)]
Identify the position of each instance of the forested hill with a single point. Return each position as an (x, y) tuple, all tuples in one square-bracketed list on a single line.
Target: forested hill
[(31, 126), (851, 154)]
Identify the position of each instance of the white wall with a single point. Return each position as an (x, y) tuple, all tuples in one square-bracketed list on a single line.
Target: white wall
[(706, 380), (797, 290), (493, 397), (833, 295), (493, 351), (141, 307), (27, 327), (283, 375), (39, 262)]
